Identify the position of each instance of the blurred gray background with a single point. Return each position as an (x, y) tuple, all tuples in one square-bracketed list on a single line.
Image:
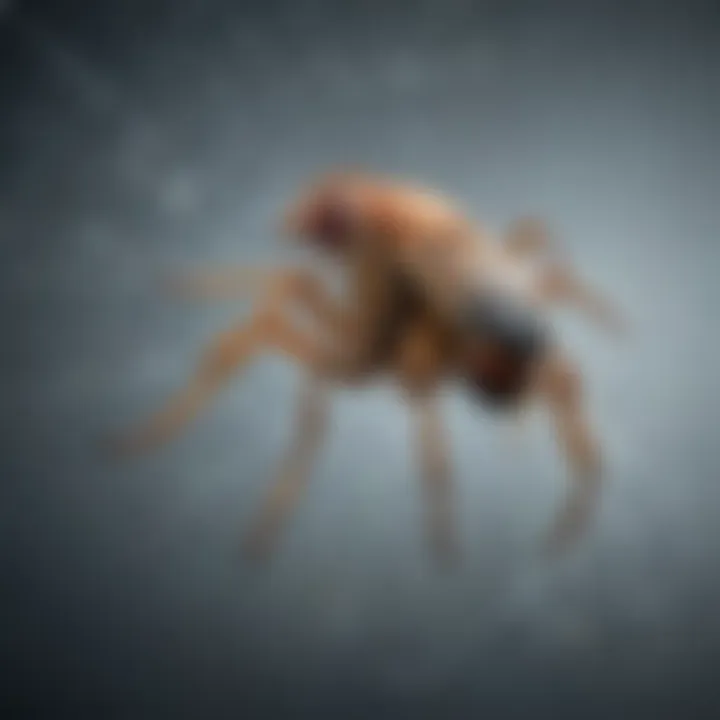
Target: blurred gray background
[(139, 135)]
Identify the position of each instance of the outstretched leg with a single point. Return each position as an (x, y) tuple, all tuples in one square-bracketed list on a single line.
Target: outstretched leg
[(297, 284), (227, 355), (529, 237), (294, 473), (437, 480), (269, 328), (422, 357), (560, 384), (559, 284), (219, 284), (518, 418)]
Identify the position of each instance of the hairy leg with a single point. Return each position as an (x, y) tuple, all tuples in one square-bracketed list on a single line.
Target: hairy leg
[(436, 478), (225, 356), (558, 284), (268, 329), (560, 384), (293, 476), (218, 284), (518, 418), (422, 357), (528, 237)]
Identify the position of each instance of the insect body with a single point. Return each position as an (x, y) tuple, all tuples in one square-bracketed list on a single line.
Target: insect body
[(428, 296)]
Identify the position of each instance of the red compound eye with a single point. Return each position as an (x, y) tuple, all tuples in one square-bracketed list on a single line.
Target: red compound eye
[(333, 225)]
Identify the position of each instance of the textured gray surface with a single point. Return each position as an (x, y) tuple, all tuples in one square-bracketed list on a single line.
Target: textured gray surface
[(139, 135)]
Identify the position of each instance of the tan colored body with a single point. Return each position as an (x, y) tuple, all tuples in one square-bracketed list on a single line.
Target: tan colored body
[(385, 325)]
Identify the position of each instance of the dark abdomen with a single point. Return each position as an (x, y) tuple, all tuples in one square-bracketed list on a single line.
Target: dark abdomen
[(498, 373), (503, 340)]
